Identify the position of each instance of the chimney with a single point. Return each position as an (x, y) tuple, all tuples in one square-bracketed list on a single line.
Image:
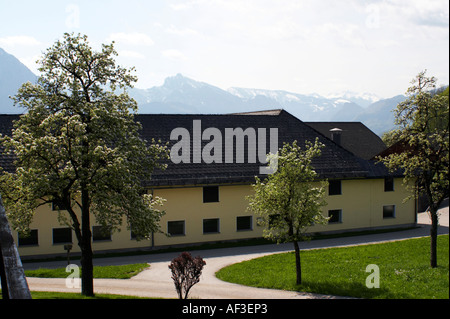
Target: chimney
[(336, 135)]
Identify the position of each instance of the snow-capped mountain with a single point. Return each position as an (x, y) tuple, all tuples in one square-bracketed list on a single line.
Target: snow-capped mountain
[(183, 95), (313, 107), (362, 99), (180, 94)]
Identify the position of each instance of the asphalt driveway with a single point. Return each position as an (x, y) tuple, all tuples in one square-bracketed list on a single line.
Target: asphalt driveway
[(156, 281)]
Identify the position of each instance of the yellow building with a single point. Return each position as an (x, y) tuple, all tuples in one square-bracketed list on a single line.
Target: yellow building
[(206, 191)]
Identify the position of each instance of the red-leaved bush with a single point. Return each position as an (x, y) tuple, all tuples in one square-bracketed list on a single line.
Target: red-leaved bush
[(186, 272)]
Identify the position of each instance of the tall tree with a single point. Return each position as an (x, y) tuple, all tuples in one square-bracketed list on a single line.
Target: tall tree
[(78, 147), (423, 131), (290, 200)]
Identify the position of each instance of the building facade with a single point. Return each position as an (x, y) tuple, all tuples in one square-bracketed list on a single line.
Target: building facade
[(205, 201)]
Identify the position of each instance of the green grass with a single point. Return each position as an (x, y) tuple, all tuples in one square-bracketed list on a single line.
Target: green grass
[(110, 272), (404, 271)]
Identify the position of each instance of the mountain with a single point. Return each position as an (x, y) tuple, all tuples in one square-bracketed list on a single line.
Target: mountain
[(12, 75), (306, 107), (379, 116), (182, 95), (362, 99)]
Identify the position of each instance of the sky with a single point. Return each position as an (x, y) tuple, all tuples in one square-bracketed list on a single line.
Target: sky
[(302, 46)]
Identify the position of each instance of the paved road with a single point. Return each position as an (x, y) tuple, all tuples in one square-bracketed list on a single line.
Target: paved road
[(156, 281)]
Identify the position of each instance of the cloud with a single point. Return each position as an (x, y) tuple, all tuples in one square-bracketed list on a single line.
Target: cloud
[(174, 54), (180, 31), (20, 40), (30, 62), (131, 54), (133, 38), (408, 13)]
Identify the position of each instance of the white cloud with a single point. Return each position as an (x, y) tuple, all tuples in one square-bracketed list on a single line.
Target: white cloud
[(131, 54), (180, 31), (174, 54), (20, 40), (30, 62), (343, 34), (132, 38)]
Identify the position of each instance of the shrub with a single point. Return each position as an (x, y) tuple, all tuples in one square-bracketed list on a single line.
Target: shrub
[(186, 272)]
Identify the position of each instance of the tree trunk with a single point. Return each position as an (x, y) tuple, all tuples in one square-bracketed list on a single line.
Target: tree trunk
[(87, 268), (87, 271), (298, 266), (433, 236)]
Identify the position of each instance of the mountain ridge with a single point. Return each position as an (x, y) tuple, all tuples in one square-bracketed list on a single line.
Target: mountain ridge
[(13, 74), (182, 95)]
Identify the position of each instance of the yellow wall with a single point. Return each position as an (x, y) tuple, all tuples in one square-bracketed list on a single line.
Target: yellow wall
[(361, 203), (187, 204), (45, 220)]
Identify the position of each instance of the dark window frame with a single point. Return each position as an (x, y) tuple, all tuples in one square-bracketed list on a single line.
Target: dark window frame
[(58, 206), (58, 239), (100, 234), (389, 184), (31, 240), (210, 228), (244, 223), (332, 213), (171, 223), (389, 211), (335, 187), (210, 194)]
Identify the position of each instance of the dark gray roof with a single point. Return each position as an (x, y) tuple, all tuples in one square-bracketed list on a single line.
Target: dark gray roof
[(355, 137), (336, 162), (6, 126)]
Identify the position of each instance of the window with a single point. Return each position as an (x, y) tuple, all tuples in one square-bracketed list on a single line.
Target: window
[(62, 235), (334, 187), (134, 234), (57, 205), (335, 216), (211, 226), (30, 239), (176, 228), (210, 194), (389, 211), (244, 223), (389, 184), (99, 233)]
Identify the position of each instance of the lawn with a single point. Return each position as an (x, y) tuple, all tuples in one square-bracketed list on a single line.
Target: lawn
[(111, 272), (403, 265)]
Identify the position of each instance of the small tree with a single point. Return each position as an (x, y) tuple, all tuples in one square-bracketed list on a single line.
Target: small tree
[(423, 130), (78, 147), (186, 272), (289, 201)]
